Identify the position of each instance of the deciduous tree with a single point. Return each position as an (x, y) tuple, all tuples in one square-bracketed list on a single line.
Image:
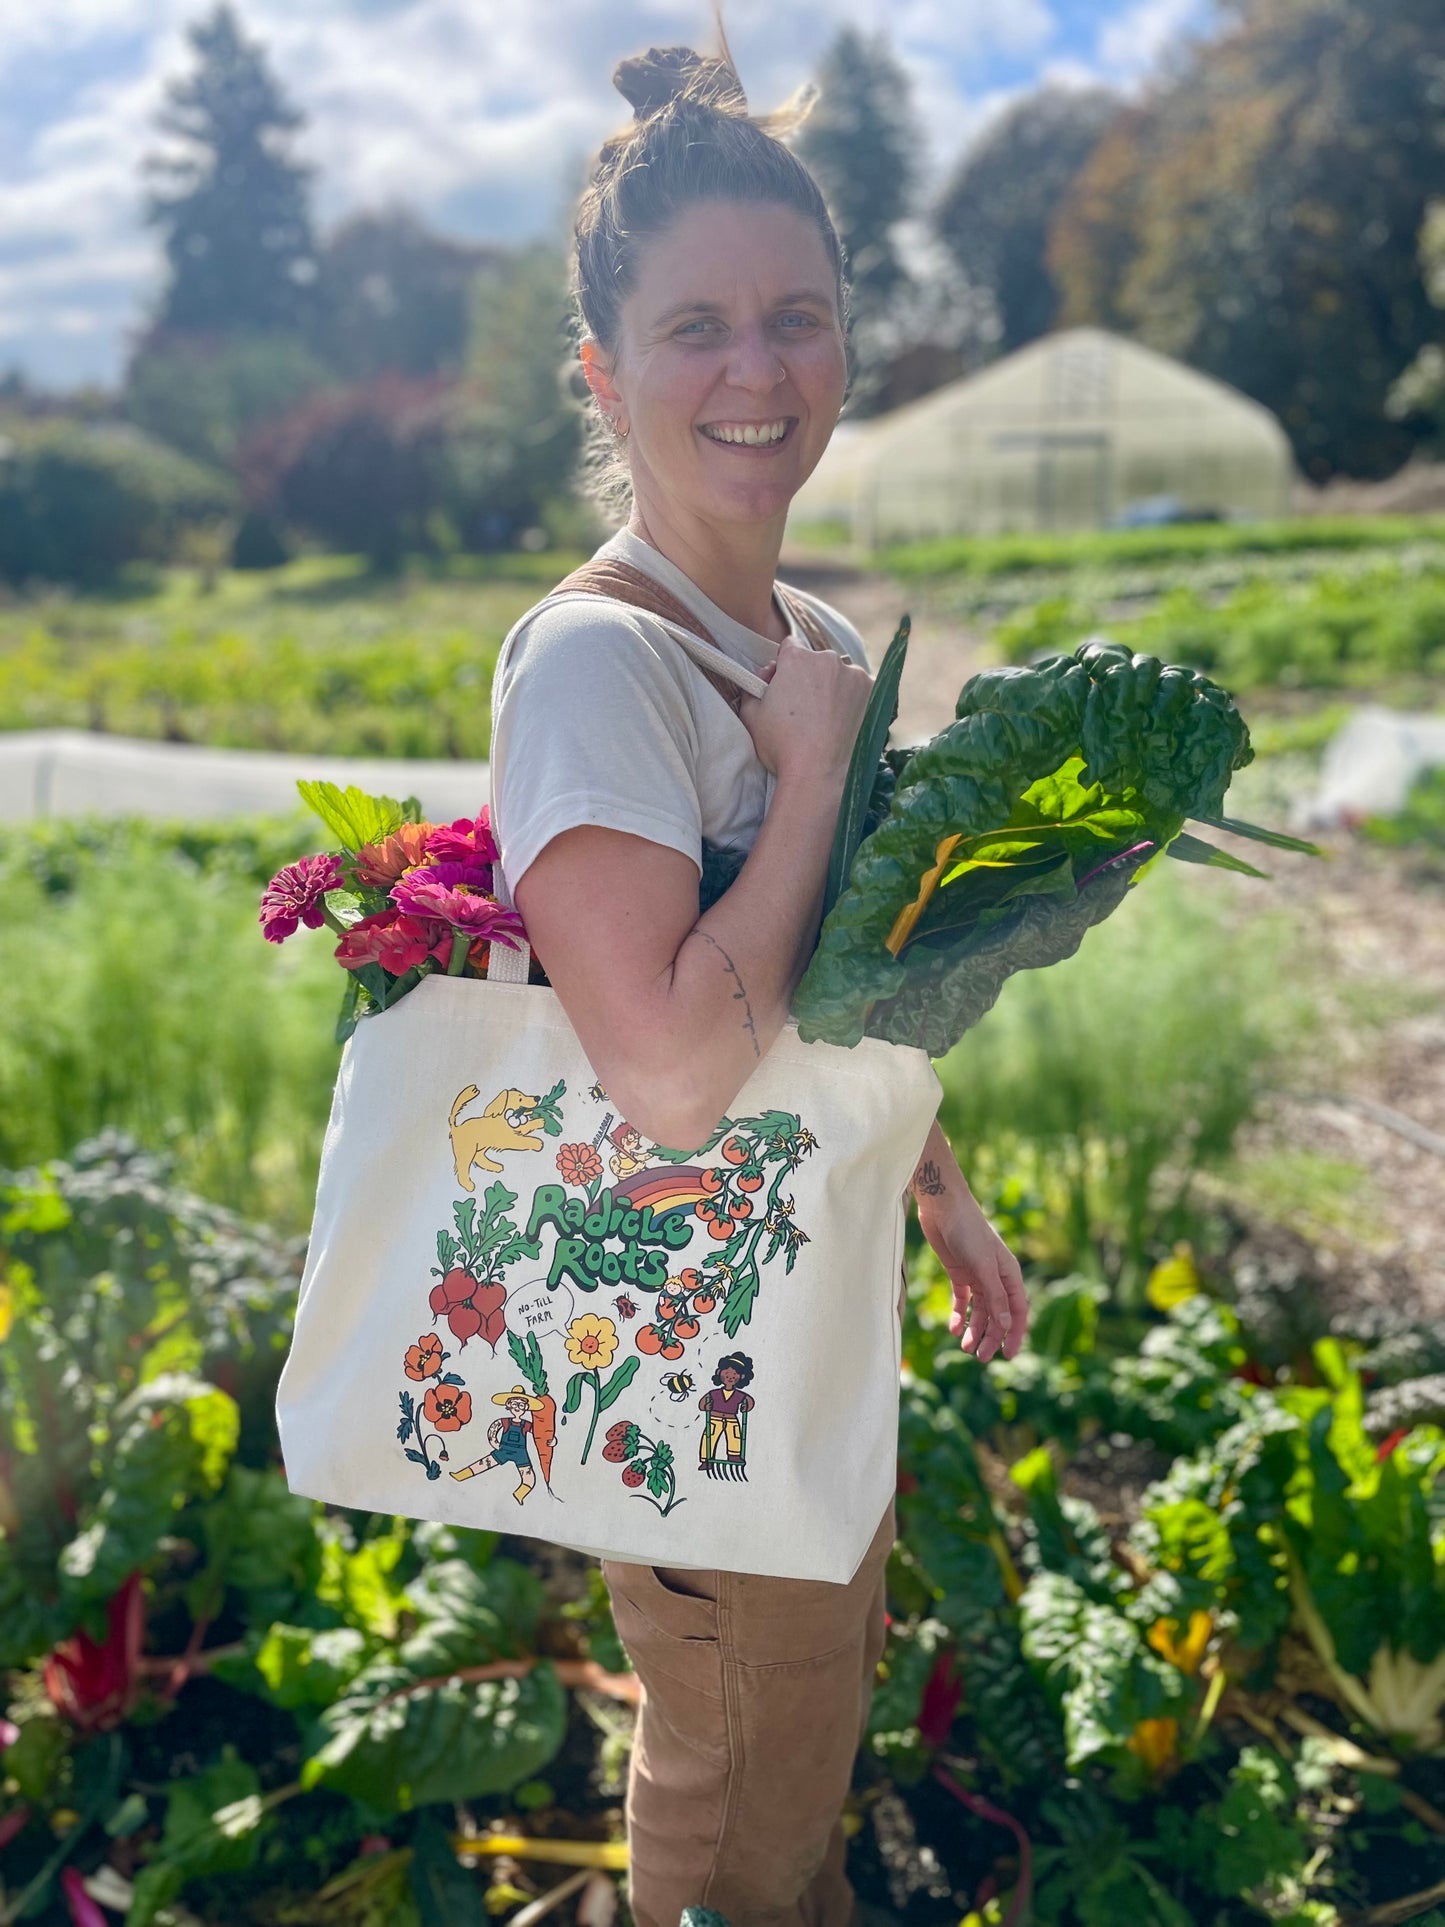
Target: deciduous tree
[(995, 212)]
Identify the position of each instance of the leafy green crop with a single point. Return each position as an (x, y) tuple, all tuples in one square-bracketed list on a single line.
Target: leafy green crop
[(1013, 832), (1296, 1514)]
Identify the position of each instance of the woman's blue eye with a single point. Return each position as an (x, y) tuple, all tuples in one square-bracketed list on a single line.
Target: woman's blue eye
[(806, 319)]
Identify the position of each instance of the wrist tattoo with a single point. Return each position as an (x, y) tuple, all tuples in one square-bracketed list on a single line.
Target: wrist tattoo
[(739, 994), (926, 1181)]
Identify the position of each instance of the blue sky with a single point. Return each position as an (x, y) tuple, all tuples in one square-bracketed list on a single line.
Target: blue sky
[(480, 113)]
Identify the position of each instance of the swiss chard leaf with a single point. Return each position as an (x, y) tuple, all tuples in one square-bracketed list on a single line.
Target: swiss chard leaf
[(1096, 753), (1193, 849), (868, 747)]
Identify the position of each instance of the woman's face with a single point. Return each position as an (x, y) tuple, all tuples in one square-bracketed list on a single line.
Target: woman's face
[(732, 329), (729, 1376)]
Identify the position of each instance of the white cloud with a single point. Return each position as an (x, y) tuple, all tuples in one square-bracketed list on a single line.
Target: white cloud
[(1133, 44), (480, 112)]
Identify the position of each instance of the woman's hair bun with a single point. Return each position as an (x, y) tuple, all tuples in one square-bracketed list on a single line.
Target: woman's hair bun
[(653, 80)]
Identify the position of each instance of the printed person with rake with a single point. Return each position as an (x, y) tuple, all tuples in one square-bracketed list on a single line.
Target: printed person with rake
[(711, 305), (723, 1453)]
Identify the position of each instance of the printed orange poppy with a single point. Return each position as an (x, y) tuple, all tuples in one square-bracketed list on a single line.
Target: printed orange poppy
[(424, 1358), (579, 1163), (447, 1407)]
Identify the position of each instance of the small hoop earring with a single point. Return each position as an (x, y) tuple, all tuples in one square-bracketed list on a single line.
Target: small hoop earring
[(619, 431)]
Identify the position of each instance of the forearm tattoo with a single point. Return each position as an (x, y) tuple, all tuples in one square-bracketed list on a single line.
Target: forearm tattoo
[(926, 1180), (740, 994)]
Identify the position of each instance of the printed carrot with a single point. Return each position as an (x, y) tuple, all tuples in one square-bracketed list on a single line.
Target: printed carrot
[(528, 1359)]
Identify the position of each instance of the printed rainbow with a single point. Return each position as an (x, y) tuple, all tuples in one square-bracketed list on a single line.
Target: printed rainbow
[(667, 1187)]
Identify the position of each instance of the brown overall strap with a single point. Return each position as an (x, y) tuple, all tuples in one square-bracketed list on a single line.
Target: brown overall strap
[(608, 576)]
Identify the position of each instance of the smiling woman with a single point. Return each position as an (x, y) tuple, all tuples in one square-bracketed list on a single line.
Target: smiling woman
[(713, 335)]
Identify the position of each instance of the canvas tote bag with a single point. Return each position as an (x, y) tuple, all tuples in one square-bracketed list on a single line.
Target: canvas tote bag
[(519, 1315)]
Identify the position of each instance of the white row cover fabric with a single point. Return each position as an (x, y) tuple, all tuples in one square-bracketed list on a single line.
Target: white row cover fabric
[(72, 772), (1370, 764)]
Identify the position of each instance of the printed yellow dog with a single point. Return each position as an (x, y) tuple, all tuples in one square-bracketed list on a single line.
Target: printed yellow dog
[(503, 1126)]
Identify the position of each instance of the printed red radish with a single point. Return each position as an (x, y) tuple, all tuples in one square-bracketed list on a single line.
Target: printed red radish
[(491, 1302), (465, 1322)]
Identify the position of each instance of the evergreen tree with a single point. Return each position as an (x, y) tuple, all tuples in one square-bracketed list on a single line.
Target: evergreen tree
[(232, 208), (859, 144), (994, 214)]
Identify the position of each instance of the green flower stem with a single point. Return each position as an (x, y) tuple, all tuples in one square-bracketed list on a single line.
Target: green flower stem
[(596, 1383), (461, 944)]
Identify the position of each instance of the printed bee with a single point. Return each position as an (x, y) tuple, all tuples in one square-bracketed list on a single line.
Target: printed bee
[(596, 1091), (678, 1385)]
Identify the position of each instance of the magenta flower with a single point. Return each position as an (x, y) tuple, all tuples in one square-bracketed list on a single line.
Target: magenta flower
[(464, 841), (294, 896), (450, 891)]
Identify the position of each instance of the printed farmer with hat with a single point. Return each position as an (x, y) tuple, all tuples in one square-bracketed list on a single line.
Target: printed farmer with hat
[(508, 1440)]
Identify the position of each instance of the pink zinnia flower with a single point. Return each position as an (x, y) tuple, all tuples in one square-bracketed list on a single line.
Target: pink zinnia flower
[(452, 892), (394, 941), (294, 896), (462, 841)]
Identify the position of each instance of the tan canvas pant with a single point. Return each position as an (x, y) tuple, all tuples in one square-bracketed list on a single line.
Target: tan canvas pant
[(755, 1697)]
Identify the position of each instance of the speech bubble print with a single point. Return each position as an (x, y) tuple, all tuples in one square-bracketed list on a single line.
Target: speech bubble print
[(535, 1308)]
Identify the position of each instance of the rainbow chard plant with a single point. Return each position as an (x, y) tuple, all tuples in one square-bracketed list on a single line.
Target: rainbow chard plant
[(997, 845), (1296, 1518)]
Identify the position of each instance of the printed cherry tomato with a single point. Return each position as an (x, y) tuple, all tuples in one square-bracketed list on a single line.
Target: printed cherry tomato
[(703, 1302), (686, 1328), (690, 1279), (721, 1230), (735, 1151), (711, 1181), (741, 1207), (674, 1350), (750, 1181), (649, 1339)]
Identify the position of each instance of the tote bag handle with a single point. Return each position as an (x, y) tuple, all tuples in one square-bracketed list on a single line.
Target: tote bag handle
[(508, 966)]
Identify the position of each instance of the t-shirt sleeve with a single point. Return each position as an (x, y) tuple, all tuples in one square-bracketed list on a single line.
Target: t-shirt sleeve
[(591, 724)]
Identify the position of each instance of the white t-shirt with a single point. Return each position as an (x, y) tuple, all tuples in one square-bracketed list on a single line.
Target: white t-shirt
[(600, 716)]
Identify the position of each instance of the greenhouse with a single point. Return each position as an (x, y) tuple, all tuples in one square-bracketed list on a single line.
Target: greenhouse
[(1065, 434)]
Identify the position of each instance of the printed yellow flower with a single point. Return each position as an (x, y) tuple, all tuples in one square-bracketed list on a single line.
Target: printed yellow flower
[(591, 1341)]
